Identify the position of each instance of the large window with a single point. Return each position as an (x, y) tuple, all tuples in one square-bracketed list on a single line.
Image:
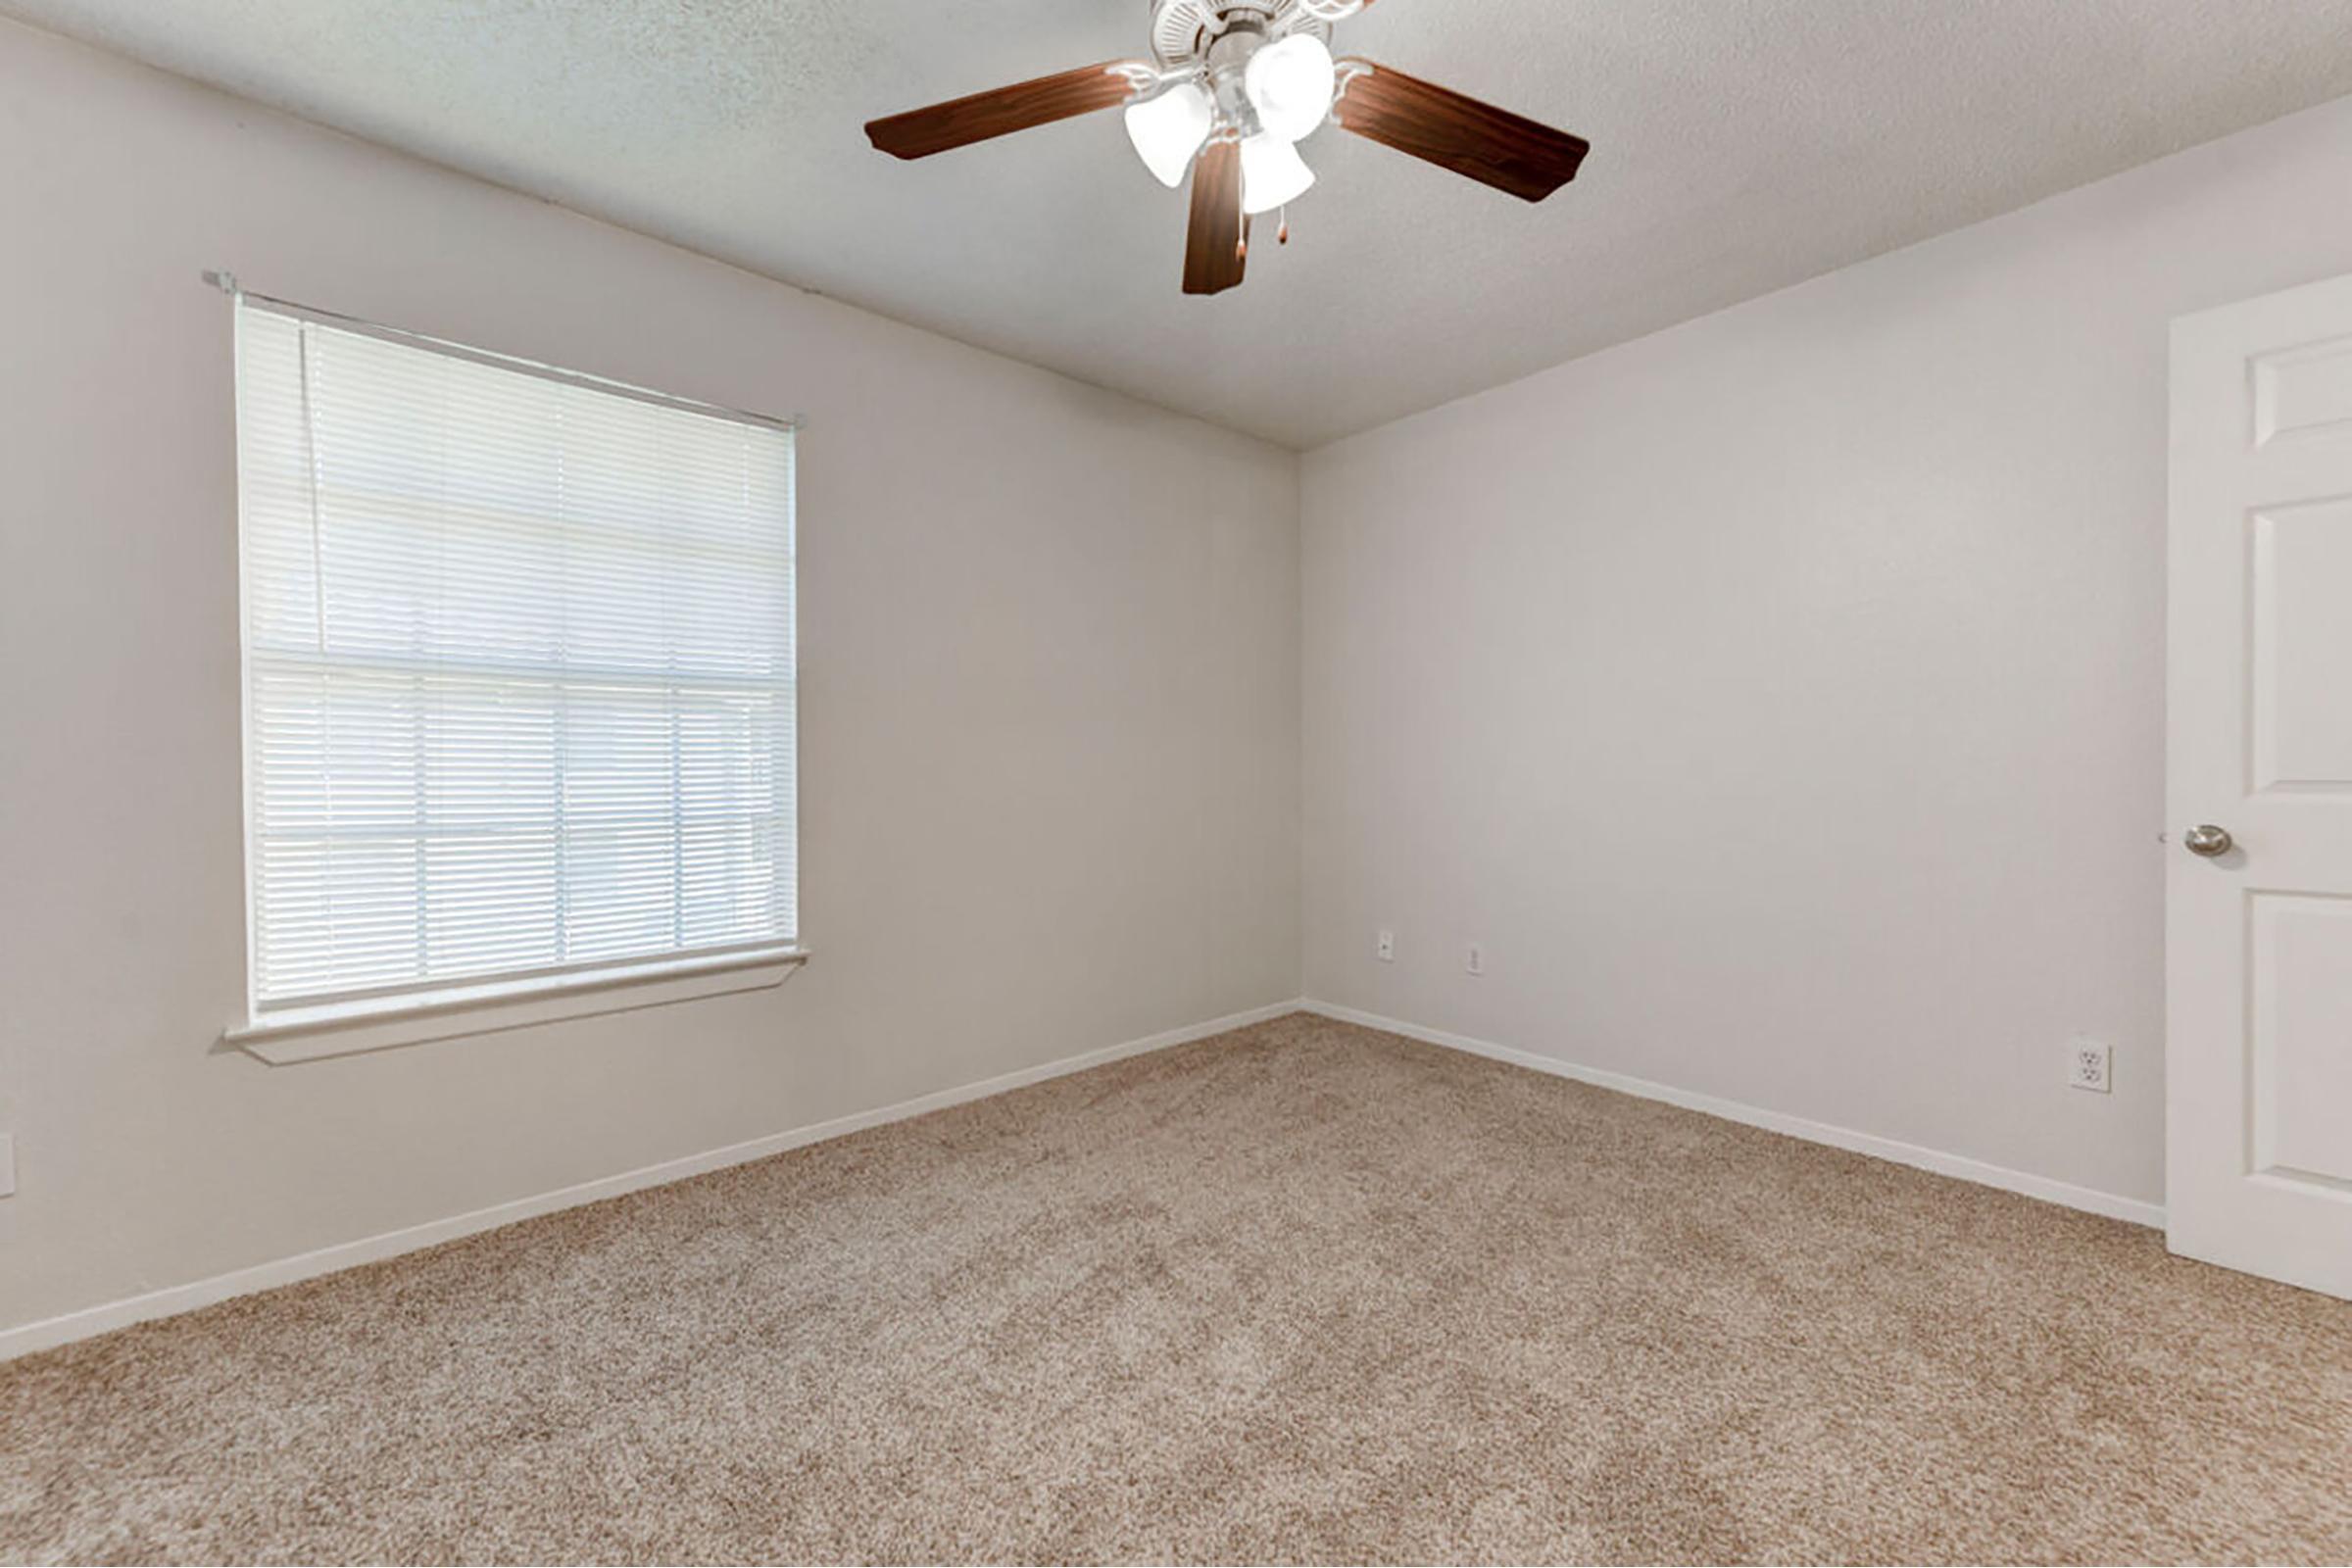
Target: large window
[(518, 665)]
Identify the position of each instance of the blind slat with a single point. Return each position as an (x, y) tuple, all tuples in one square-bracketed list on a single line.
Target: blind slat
[(519, 669)]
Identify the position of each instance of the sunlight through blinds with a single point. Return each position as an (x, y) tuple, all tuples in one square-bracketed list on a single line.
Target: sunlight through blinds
[(518, 664)]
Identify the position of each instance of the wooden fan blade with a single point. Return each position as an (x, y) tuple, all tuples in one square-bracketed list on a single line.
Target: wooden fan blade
[(1212, 246), (920, 132), (1442, 126)]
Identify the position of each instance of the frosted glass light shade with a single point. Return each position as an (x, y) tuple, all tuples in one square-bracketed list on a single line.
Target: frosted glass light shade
[(1168, 129), (1290, 82), (1272, 174)]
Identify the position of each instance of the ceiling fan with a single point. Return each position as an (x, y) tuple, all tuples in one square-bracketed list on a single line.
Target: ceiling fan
[(1240, 83)]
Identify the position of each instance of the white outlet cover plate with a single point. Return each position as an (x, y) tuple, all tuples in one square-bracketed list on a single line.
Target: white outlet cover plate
[(2090, 1065)]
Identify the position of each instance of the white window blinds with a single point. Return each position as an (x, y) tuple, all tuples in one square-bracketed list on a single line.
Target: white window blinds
[(518, 662)]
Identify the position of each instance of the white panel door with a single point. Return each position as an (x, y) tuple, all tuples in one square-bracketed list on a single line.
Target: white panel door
[(2258, 1059)]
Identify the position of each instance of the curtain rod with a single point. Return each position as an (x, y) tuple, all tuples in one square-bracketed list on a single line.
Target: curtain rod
[(226, 282)]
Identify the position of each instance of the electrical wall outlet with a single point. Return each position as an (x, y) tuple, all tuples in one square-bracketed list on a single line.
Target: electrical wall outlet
[(2090, 1064), (1385, 947), (8, 1165), (1474, 960)]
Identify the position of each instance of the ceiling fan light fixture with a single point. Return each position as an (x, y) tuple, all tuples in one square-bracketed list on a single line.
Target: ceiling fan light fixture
[(1169, 129), (1272, 174), (1290, 83), (1231, 87)]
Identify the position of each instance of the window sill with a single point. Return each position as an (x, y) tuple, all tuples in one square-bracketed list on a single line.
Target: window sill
[(343, 1029)]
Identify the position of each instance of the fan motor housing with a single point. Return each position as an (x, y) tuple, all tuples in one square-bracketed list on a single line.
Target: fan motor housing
[(1184, 31)]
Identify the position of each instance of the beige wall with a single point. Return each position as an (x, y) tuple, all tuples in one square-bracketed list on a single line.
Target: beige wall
[(1780, 698), (1049, 705)]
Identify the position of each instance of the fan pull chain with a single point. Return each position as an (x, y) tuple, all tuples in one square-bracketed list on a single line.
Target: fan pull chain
[(1281, 235)]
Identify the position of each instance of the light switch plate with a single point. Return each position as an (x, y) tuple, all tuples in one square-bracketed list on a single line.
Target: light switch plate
[(8, 1165)]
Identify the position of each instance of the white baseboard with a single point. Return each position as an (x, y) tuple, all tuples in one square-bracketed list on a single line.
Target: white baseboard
[(2132, 1209), (176, 1298), (173, 1300)]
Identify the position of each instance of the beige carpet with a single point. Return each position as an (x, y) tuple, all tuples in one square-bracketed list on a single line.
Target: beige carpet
[(1300, 1292)]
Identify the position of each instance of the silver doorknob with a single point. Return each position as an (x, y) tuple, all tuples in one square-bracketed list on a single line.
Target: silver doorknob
[(2207, 839)]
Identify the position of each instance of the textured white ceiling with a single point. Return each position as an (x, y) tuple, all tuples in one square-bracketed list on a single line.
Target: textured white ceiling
[(1739, 146)]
